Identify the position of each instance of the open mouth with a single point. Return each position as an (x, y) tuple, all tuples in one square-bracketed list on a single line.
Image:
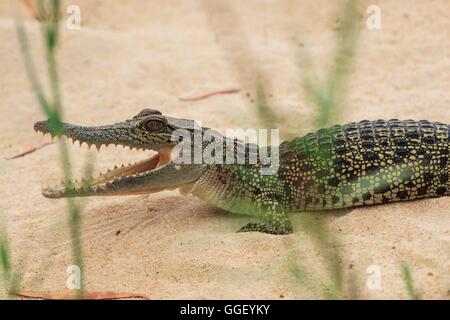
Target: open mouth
[(110, 182)]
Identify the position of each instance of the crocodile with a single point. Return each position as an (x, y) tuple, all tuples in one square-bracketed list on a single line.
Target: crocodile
[(343, 166)]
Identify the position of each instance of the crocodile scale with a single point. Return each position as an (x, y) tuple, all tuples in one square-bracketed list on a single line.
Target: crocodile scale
[(364, 163)]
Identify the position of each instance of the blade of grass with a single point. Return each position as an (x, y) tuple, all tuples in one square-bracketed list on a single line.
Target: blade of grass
[(316, 228), (5, 259), (53, 110), (242, 57), (10, 279), (409, 283), (267, 117), (328, 97)]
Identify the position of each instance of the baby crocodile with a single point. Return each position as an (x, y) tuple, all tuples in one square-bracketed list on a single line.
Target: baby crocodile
[(356, 164)]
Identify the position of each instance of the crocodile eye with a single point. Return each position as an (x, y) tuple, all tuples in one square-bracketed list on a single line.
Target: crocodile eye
[(147, 112), (155, 124)]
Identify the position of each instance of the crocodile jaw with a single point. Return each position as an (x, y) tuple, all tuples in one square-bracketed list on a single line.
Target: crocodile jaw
[(101, 185)]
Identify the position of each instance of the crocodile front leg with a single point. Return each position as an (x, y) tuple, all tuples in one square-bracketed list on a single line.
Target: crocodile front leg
[(241, 189), (274, 216)]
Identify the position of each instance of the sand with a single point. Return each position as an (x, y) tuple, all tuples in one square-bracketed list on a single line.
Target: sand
[(149, 54)]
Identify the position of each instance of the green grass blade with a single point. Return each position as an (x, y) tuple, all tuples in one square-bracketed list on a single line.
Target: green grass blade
[(53, 109), (409, 283)]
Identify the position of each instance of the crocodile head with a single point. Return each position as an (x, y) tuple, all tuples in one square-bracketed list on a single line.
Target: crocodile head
[(148, 130)]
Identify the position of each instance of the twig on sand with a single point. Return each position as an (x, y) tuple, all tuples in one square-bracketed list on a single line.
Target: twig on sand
[(22, 154), (210, 94), (94, 295)]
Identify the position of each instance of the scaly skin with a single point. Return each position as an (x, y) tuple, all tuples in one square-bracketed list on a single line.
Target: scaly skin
[(357, 164)]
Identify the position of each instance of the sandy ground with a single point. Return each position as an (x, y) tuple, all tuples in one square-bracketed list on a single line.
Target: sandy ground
[(147, 54)]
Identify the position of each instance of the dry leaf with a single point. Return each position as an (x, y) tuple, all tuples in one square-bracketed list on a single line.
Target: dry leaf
[(71, 295)]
